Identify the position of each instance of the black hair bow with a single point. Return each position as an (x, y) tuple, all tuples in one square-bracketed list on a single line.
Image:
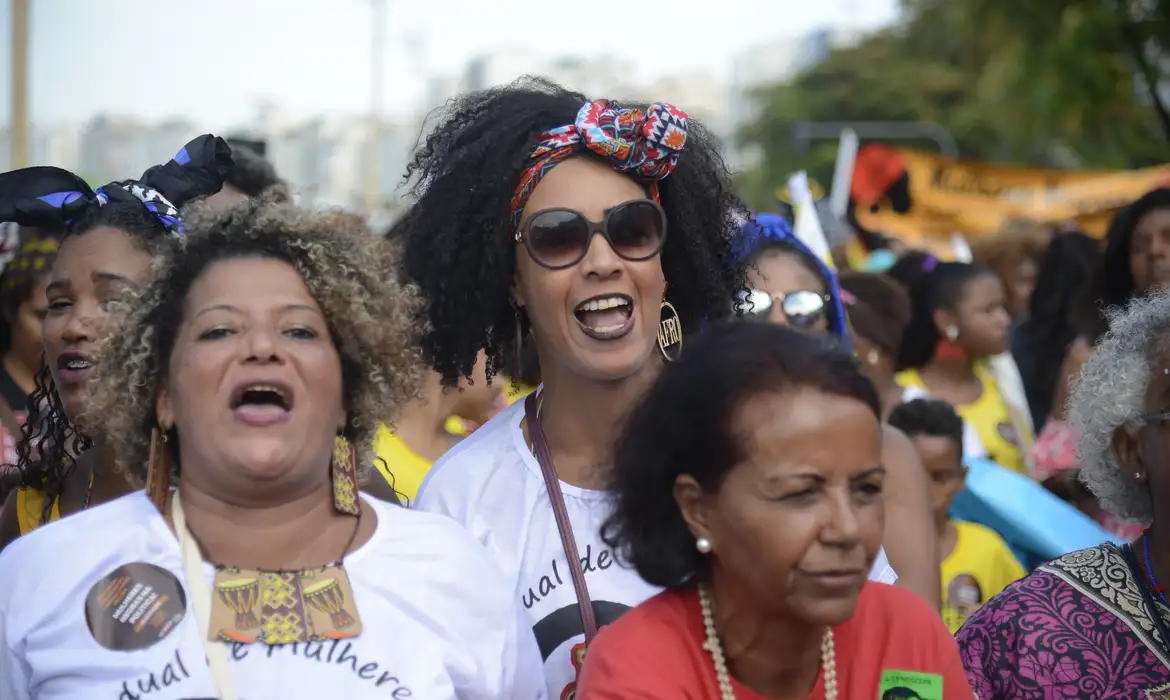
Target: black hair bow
[(51, 197)]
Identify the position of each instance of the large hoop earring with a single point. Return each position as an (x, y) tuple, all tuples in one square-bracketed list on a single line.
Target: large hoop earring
[(670, 338), (343, 470), (159, 470)]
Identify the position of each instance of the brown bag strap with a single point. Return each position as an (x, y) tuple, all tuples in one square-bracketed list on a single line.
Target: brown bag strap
[(564, 526)]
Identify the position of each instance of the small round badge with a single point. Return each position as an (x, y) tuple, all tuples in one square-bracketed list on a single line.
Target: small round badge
[(134, 607)]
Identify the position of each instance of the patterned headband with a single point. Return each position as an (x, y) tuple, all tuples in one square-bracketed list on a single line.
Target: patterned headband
[(50, 198), (29, 261), (645, 145)]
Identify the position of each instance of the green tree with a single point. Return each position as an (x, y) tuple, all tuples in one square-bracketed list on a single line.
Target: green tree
[(1084, 74), (1031, 83)]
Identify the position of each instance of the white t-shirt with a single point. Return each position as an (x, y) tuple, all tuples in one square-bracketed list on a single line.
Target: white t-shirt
[(492, 484), (438, 620)]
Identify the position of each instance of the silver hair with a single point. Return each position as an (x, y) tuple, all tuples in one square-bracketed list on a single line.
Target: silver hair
[(1110, 393)]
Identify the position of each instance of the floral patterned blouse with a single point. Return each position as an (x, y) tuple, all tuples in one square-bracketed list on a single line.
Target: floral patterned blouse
[(1077, 627)]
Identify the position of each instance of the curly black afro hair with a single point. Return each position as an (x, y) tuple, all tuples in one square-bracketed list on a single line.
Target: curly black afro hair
[(458, 244)]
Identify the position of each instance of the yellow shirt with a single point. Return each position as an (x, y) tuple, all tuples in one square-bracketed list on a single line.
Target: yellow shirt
[(990, 417), (30, 509), (514, 391), (980, 566), (401, 467)]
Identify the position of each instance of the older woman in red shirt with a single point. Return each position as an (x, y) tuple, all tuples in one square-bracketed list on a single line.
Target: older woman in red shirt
[(749, 485)]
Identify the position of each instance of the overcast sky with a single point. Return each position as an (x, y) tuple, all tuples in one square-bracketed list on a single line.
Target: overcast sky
[(215, 61)]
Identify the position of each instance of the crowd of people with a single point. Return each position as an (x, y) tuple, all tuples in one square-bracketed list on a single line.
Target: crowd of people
[(579, 426)]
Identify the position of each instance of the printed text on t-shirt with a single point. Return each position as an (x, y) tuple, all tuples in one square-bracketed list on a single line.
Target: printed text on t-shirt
[(552, 580)]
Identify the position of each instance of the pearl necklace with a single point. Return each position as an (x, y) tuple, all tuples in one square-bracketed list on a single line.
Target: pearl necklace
[(828, 653)]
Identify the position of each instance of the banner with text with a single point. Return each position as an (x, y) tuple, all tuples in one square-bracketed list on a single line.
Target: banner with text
[(912, 194)]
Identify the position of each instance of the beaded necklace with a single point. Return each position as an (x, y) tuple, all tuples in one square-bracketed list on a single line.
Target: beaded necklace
[(828, 653)]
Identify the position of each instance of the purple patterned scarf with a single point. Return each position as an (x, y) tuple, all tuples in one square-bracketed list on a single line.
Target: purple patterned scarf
[(1077, 627)]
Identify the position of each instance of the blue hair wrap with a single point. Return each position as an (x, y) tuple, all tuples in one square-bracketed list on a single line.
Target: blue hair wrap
[(765, 228), (52, 197)]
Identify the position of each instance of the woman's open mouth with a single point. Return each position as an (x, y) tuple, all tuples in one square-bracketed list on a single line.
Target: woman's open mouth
[(72, 368), (261, 404), (606, 317)]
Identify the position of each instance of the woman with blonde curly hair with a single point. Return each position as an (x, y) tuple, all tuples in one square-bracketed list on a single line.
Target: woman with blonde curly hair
[(242, 390), (1094, 623)]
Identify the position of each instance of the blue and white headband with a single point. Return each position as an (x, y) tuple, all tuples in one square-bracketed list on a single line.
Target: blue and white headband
[(50, 197)]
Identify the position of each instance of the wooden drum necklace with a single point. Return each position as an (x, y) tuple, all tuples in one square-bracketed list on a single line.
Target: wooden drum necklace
[(271, 607)]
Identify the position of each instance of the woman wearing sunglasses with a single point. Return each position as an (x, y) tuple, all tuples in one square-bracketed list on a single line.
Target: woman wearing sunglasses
[(603, 234), (791, 287)]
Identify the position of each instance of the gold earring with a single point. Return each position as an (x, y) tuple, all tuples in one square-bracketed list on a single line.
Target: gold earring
[(670, 338), (344, 473), (159, 469)]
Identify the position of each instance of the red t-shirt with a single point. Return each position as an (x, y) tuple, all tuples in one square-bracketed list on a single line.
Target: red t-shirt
[(655, 652)]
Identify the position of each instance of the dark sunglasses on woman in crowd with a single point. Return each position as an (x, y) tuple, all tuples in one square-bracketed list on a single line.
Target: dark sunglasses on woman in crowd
[(802, 308), (559, 238)]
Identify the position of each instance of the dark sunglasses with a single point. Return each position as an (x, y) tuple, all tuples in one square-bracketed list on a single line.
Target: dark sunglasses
[(802, 308), (559, 238)]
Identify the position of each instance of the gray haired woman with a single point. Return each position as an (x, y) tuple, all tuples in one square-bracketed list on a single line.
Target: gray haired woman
[(1093, 624)]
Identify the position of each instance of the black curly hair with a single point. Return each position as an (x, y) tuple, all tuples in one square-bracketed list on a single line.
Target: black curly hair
[(932, 285), (49, 440), (458, 244), (1112, 283), (1056, 307), (928, 417)]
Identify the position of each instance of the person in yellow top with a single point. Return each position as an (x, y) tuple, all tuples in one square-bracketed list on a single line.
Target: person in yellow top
[(976, 562), (959, 320), (430, 425)]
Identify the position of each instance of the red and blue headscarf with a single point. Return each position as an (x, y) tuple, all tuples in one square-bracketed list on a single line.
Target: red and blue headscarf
[(762, 228), (47, 197), (644, 145)]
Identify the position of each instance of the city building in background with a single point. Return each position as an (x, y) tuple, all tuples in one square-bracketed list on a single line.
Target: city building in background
[(325, 158), (763, 66)]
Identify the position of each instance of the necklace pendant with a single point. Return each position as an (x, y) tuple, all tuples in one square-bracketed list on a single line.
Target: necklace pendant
[(283, 607)]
